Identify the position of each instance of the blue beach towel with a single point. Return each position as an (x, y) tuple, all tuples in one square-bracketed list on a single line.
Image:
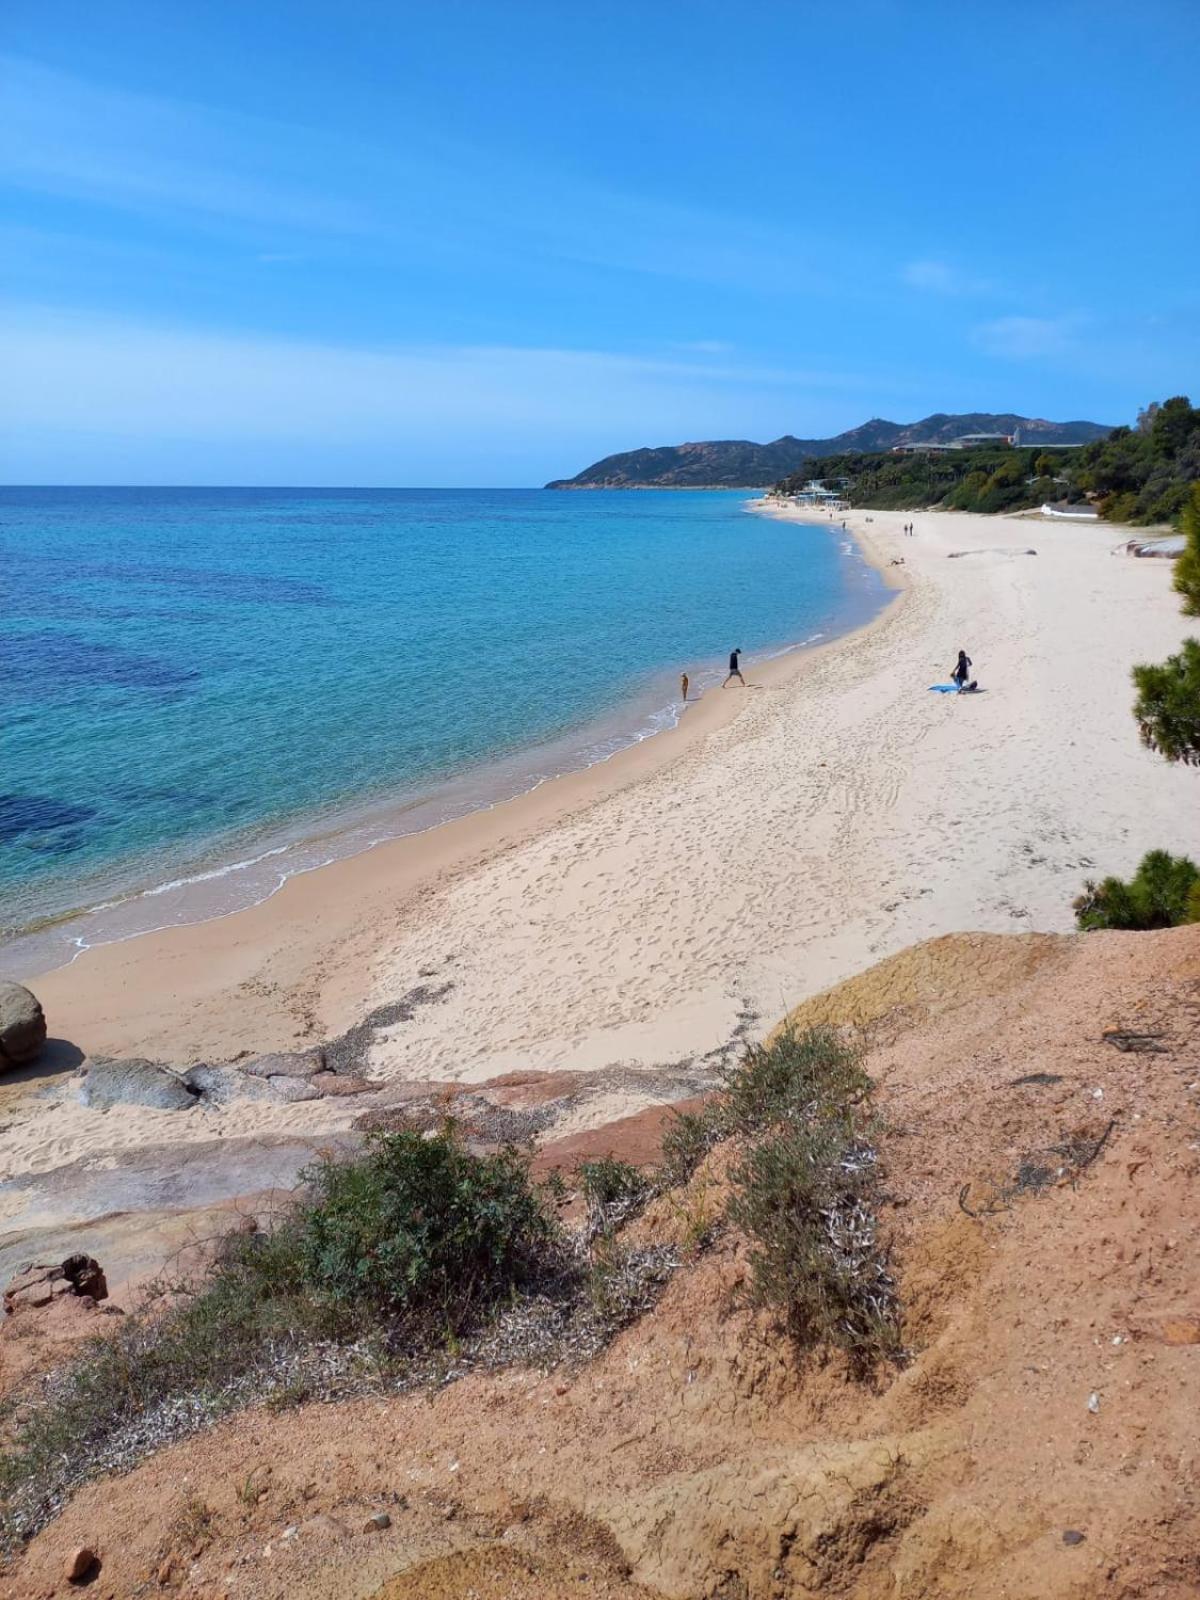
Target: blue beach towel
[(943, 688)]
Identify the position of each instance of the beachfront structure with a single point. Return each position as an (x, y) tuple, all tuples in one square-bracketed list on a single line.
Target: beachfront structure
[(814, 493), (966, 441), (1072, 513)]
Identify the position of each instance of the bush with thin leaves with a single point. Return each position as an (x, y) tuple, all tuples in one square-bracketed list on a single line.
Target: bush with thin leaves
[(799, 1072), (805, 1194), (1167, 708), (1186, 577), (805, 1190), (1163, 893), (802, 1074), (686, 1140), (805, 1198), (608, 1181)]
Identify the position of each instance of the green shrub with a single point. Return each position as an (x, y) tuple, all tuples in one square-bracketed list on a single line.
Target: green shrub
[(798, 1076), (1167, 707), (1163, 893), (1186, 578), (607, 1181), (413, 1239), (805, 1189), (805, 1194), (805, 1199), (688, 1138), (422, 1230)]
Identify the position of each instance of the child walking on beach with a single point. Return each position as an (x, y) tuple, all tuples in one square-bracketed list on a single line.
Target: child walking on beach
[(962, 670), (734, 670)]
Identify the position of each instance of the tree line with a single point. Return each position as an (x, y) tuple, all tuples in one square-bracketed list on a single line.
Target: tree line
[(1139, 475)]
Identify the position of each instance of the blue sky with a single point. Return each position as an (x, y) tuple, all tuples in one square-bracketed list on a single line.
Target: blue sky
[(488, 241)]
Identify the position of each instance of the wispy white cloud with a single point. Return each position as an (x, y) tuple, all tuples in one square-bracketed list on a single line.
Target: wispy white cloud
[(1028, 338), (705, 347), (74, 376), (416, 196), (69, 137), (935, 275), (940, 277)]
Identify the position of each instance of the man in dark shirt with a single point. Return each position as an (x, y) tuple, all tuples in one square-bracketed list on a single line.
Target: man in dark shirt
[(734, 670)]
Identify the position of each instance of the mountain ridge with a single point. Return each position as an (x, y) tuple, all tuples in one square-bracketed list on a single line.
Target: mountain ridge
[(745, 464)]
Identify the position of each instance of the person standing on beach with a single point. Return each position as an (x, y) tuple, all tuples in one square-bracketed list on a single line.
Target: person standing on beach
[(683, 684), (962, 670), (734, 670)]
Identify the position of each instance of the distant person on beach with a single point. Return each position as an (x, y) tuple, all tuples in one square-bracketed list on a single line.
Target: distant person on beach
[(962, 670), (683, 684), (734, 670)]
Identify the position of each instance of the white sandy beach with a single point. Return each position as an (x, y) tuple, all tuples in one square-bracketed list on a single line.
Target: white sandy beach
[(783, 838)]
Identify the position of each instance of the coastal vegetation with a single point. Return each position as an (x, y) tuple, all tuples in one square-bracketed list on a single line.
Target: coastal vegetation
[(1139, 475), (743, 464), (804, 1190), (417, 1260), (988, 478), (1167, 707), (1143, 474), (1164, 892)]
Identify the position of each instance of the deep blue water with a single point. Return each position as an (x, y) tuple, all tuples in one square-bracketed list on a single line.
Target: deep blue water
[(190, 675)]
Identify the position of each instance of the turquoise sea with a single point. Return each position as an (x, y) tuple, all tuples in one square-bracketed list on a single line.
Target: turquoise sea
[(203, 691)]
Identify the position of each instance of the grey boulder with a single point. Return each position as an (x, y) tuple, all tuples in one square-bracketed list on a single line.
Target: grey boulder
[(110, 1082), (285, 1064), (22, 1025), (218, 1085)]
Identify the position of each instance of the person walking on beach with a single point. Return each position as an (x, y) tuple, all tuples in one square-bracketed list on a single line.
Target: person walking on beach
[(734, 670), (683, 685), (962, 670)]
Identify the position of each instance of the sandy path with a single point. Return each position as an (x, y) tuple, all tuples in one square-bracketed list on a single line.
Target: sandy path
[(632, 914)]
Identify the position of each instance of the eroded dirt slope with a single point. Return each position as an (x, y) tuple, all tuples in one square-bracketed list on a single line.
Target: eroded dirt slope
[(1040, 1442)]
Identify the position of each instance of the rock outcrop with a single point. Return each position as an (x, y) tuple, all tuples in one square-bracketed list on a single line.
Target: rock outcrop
[(38, 1283), (22, 1025), (285, 1064), (280, 1079), (110, 1082), (287, 1078)]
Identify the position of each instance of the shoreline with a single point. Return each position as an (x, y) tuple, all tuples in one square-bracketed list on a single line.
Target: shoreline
[(213, 889), (636, 920), (337, 893)]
